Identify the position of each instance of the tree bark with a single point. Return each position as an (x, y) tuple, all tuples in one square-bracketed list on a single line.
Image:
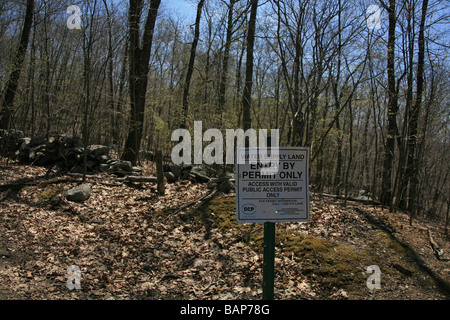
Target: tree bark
[(159, 172), (88, 41), (337, 100), (386, 193), (247, 95), (13, 80), (402, 141), (226, 58), (190, 69), (138, 74), (111, 103), (413, 166)]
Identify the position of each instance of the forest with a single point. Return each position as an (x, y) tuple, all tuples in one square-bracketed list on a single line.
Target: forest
[(363, 84)]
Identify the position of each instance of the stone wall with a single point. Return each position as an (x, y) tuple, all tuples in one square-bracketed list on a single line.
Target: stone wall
[(63, 153)]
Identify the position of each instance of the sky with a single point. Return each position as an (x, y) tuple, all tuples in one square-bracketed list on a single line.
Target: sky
[(183, 8)]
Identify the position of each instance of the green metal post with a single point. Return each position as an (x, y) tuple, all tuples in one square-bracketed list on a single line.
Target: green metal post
[(269, 255), (269, 260)]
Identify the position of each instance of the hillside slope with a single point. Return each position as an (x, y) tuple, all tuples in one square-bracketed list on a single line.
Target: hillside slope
[(130, 243)]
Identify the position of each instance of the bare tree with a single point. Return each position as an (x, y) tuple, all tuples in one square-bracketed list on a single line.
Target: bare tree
[(139, 56), (88, 41), (190, 69), (246, 99), (386, 193), (9, 91), (413, 167)]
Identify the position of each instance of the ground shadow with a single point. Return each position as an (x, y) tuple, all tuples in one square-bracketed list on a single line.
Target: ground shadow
[(441, 283)]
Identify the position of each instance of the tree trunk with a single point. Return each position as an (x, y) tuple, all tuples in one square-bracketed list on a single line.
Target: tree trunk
[(13, 80), (337, 100), (138, 73), (226, 58), (46, 95), (31, 125), (110, 102), (386, 193), (447, 217), (159, 172), (350, 151), (413, 166), (117, 137), (403, 179), (88, 40), (190, 69), (247, 95)]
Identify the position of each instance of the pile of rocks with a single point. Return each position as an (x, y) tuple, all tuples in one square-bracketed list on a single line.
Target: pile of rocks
[(63, 153), (223, 183), (10, 142), (172, 173)]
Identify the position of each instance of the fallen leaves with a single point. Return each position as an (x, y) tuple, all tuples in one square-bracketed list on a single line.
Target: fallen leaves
[(129, 246)]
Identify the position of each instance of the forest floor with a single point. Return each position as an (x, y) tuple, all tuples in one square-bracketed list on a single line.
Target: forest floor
[(130, 243)]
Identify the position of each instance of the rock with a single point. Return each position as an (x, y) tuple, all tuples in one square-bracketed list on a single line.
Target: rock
[(104, 158), (170, 177), (54, 140), (74, 142), (125, 165), (103, 167), (10, 142), (121, 165), (35, 142), (73, 153), (176, 170), (80, 193), (97, 150), (224, 176), (46, 158), (91, 165), (223, 183), (199, 174), (146, 155), (185, 174), (226, 186), (24, 150), (137, 170), (186, 168), (199, 177)]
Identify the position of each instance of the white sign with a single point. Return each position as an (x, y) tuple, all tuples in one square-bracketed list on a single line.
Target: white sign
[(272, 187)]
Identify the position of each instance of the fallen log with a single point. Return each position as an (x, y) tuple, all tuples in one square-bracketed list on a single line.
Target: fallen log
[(438, 251), (140, 179), (88, 176), (121, 179), (34, 182), (335, 196)]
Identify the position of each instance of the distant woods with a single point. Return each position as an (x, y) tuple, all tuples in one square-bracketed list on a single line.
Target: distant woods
[(371, 101)]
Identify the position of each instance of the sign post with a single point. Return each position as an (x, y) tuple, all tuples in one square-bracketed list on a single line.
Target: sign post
[(269, 189), (269, 260)]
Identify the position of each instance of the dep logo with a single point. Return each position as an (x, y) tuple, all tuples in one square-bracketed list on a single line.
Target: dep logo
[(248, 208)]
